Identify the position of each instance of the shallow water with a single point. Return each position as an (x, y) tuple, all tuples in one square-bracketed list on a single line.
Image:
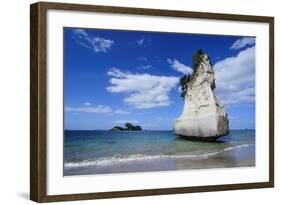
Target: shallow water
[(98, 152)]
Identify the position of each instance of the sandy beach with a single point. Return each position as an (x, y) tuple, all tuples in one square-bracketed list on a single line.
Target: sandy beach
[(240, 157)]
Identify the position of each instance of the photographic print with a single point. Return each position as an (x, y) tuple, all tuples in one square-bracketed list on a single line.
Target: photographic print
[(135, 102), (141, 101)]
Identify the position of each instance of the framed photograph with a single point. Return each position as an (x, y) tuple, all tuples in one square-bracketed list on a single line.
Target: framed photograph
[(134, 102)]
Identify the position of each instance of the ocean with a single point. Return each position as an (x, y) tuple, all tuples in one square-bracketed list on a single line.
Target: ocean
[(107, 152)]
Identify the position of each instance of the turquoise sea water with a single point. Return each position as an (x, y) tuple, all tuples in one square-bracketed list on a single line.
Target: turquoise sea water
[(93, 150)]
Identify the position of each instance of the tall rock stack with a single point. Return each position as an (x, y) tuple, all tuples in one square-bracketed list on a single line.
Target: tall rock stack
[(203, 116)]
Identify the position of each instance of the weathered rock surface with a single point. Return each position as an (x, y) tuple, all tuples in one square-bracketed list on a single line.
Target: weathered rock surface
[(203, 115)]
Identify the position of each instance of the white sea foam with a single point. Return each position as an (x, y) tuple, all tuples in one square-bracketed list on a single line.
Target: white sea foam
[(139, 157), (112, 160), (236, 147)]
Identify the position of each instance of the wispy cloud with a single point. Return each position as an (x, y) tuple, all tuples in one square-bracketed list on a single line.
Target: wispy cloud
[(121, 112), (143, 41), (243, 42), (87, 107), (96, 43), (142, 58), (87, 104), (177, 66), (90, 109), (140, 41), (143, 90), (235, 78), (126, 121), (144, 67)]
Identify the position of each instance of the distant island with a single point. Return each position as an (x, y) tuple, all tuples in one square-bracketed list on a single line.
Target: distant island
[(128, 127)]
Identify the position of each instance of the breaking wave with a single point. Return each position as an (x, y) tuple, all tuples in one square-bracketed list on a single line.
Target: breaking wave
[(139, 157)]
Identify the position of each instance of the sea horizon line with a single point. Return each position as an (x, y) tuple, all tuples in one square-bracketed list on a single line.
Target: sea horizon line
[(140, 130)]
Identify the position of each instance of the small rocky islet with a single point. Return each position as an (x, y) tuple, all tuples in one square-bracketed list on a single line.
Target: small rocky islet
[(128, 127)]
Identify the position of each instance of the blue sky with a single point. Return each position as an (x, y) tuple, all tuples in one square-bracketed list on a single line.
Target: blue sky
[(113, 76)]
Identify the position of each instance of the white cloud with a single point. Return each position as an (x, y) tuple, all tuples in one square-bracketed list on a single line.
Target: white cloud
[(96, 109), (80, 32), (121, 112), (115, 72), (90, 109), (235, 78), (87, 104), (126, 121), (177, 66), (242, 42), (98, 44), (143, 90)]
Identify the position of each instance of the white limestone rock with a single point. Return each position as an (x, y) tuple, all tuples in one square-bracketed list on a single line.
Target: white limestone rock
[(203, 116)]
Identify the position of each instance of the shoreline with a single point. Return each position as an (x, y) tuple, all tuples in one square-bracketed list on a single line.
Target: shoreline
[(241, 157)]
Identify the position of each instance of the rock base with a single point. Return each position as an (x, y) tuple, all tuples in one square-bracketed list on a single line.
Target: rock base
[(207, 126)]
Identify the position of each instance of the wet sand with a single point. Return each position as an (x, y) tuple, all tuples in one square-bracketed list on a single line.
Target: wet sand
[(243, 157)]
